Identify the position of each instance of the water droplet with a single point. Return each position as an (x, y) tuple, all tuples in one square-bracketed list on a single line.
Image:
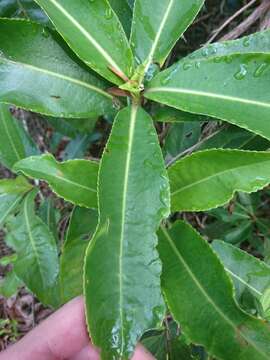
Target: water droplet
[(165, 80), (197, 64), (218, 59), (205, 52), (246, 42), (228, 59), (108, 14), (241, 73), (260, 69), (187, 66)]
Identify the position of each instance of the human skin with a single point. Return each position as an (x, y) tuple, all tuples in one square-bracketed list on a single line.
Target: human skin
[(63, 336)]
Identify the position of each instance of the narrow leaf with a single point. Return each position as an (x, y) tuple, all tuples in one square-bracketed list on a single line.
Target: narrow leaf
[(157, 25), (11, 146), (73, 180), (220, 87), (82, 226), (30, 80), (127, 297), (37, 262), (191, 270), (209, 179), (246, 271), (93, 31)]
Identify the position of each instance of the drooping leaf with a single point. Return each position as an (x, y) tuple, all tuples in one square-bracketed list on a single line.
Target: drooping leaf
[(246, 271), (30, 79), (11, 145), (11, 194), (94, 32), (191, 270), (208, 179), (73, 180), (157, 25), (37, 261), (82, 226), (127, 298), (220, 87)]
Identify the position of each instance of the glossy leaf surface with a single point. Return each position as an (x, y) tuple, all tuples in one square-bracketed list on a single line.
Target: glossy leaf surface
[(73, 180), (246, 271), (82, 226), (191, 270), (37, 262), (38, 74), (124, 13), (11, 145), (127, 298), (157, 25), (209, 179), (94, 32), (220, 87)]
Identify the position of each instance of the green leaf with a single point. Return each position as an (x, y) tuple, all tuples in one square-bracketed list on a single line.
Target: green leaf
[(127, 298), (257, 43), (233, 137), (82, 226), (221, 87), (11, 146), (77, 147), (208, 179), (11, 194), (157, 25), (170, 115), (124, 12), (246, 271), (29, 80), (23, 9), (94, 32), (199, 292), (37, 262), (10, 284), (50, 216), (73, 180)]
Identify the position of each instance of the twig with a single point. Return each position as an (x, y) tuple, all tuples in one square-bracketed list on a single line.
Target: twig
[(250, 20), (228, 21)]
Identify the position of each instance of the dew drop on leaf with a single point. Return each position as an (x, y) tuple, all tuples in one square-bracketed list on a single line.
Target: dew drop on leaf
[(260, 70), (241, 73)]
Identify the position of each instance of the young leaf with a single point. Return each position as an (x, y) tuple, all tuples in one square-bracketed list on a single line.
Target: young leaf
[(208, 179), (94, 32), (73, 180), (10, 284), (212, 318), (157, 25), (122, 253), (221, 87), (82, 225), (37, 261), (246, 271), (29, 80), (11, 145)]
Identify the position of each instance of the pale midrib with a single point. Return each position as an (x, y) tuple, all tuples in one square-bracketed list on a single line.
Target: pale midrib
[(123, 215), (158, 35), (205, 294), (9, 136), (59, 76), (32, 241), (88, 36), (218, 174), (243, 281), (12, 206), (208, 94)]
